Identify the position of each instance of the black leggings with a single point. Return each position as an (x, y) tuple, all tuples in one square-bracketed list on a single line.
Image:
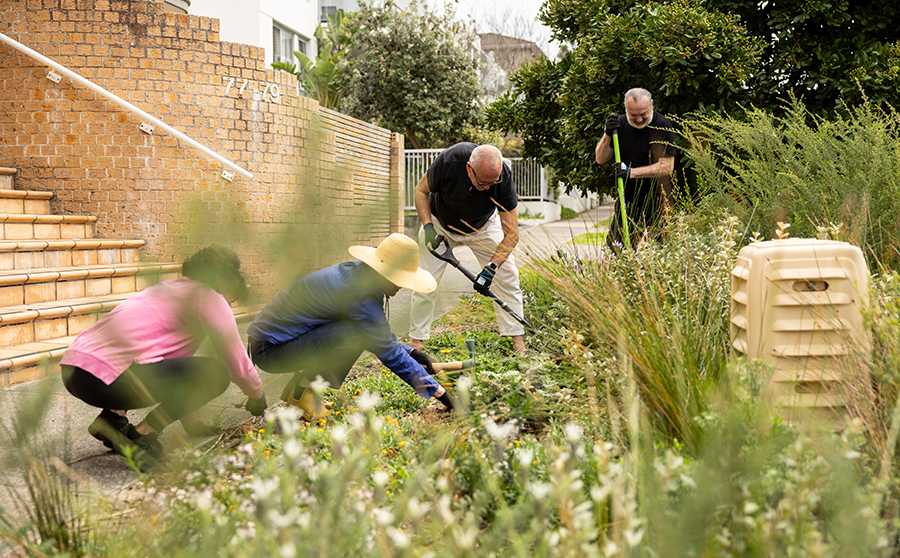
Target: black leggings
[(179, 385), (329, 350)]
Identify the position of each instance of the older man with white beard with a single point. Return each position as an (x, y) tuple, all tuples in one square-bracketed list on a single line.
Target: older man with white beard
[(647, 148)]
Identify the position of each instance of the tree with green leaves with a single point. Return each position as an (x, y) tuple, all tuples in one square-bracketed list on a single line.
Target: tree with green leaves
[(694, 56), (410, 73), (318, 77)]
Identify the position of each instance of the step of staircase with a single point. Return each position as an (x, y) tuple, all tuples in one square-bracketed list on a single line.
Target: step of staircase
[(33, 254), (26, 226), (34, 286), (23, 201)]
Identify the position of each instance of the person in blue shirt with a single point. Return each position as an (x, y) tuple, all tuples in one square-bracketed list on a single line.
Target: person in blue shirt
[(321, 323)]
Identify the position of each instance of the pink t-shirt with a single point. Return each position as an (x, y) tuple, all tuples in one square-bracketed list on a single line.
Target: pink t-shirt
[(168, 320)]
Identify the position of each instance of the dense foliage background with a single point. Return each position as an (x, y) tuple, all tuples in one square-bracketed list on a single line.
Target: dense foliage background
[(707, 57)]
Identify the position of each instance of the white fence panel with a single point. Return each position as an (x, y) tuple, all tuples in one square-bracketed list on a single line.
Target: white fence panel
[(529, 177)]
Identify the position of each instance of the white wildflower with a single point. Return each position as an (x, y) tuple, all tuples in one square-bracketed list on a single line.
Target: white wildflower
[(319, 385), (380, 477), (280, 521), (465, 538), (339, 434), (383, 516), (398, 537), (368, 400), (292, 449), (526, 456), (264, 488), (417, 509), (288, 550), (288, 418), (356, 420), (500, 432), (539, 490), (574, 432), (204, 500)]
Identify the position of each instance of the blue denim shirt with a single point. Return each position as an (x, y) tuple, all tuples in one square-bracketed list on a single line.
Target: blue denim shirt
[(347, 291)]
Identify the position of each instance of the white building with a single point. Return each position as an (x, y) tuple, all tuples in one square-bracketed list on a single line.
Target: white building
[(278, 26)]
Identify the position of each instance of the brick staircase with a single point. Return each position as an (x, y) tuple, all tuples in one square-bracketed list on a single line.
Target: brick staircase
[(56, 280)]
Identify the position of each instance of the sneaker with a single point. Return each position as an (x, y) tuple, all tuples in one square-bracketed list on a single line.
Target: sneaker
[(145, 449), (107, 420)]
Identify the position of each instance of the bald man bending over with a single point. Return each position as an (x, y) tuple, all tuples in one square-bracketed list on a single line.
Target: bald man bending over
[(468, 197)]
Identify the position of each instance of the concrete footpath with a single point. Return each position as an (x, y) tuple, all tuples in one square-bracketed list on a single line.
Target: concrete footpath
[(64, 427)]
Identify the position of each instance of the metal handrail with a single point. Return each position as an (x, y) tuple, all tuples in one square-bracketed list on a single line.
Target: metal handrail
[(123, 103)]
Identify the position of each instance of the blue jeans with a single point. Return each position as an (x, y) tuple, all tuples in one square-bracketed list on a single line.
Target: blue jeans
[(329, 351)]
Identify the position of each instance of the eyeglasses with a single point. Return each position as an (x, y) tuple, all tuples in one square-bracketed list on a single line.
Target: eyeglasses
[(480, 183)]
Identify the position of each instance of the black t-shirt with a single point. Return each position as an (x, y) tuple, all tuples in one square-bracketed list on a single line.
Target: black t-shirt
[(643, 147), (635, 145), (455, 201)]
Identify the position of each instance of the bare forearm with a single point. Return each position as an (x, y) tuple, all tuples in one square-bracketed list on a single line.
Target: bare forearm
[(603, 152), (661, 168), (421, 201)]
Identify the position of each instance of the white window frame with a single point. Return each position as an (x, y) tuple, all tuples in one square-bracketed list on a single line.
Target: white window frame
[(297, 43)]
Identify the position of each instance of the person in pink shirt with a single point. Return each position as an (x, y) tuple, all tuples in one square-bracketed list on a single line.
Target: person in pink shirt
[(142, 354)]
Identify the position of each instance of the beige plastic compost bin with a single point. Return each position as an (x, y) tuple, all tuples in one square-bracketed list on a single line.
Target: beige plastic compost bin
[(796, 305)]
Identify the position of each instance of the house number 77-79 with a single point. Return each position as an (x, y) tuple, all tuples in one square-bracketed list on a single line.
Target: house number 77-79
[(271, 89)]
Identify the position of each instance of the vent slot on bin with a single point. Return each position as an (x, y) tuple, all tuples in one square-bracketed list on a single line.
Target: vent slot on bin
[(810, 286)]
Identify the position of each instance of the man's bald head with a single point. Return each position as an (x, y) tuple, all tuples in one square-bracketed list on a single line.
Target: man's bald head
[(487, 161)]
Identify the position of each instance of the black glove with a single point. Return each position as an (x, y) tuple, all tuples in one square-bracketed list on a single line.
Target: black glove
[(612, 124), (256, 407), (424, 360), (432, 239), (623, 171), (485, 278), (448, 401)]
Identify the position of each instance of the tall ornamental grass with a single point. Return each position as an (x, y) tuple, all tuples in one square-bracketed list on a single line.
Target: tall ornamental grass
[(841, 174), (661, 311)]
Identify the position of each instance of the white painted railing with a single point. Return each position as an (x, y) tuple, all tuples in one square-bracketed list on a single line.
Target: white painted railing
[(122, 103), (530, 178)]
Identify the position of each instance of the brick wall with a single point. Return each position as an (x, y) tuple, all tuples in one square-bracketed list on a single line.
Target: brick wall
[(322, 181)]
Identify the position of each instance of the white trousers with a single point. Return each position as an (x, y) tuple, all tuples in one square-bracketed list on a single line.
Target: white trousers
[(483, 244)]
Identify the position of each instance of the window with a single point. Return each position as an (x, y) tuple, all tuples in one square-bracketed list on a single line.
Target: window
[(284, 43), (327, 11)]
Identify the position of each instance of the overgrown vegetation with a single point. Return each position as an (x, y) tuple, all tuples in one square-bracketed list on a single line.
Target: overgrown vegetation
[(827, 178), (627, 431)]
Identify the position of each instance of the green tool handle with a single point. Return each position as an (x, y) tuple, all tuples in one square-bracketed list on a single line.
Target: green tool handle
[(615, 137)]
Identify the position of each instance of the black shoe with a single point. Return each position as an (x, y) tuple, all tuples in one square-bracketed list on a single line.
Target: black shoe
[(145, 449), (107, 420)]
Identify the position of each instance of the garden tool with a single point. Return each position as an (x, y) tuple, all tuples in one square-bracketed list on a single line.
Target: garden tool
[(625, 235), (458, 364), (447, 256)]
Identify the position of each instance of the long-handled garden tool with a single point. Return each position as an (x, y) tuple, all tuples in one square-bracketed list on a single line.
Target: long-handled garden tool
[(447, 256), (627, 237)]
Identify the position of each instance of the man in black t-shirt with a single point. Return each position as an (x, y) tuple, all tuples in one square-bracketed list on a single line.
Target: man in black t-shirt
[(468, 196), (647, 147)]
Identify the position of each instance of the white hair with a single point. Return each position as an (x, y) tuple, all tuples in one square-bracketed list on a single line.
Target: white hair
[(638, 93), (486, 157)]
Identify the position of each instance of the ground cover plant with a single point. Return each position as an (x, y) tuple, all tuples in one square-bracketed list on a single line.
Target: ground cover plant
[(627, 431)]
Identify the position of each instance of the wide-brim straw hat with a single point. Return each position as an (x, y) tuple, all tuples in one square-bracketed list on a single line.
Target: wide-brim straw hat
[(397, 260)]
